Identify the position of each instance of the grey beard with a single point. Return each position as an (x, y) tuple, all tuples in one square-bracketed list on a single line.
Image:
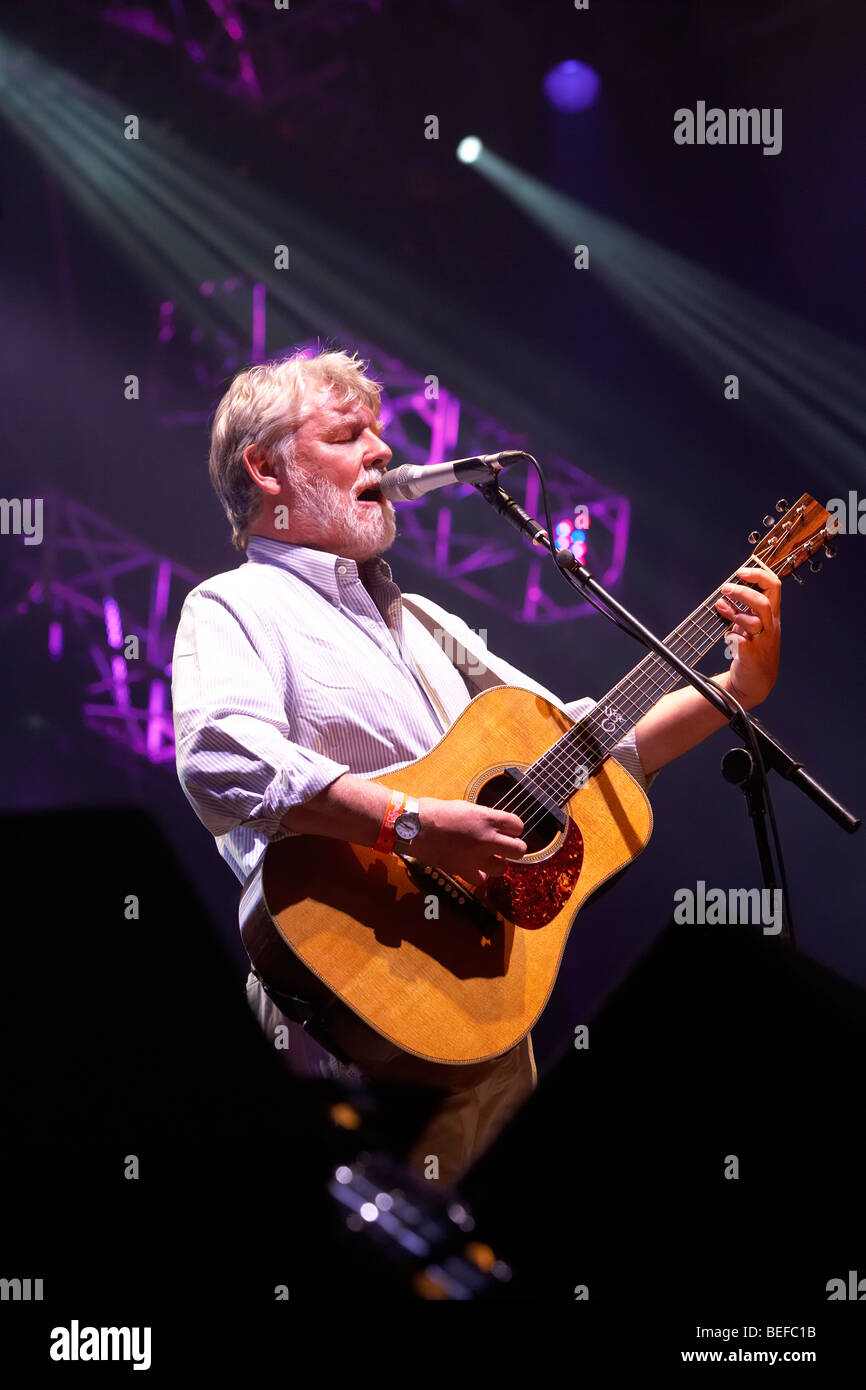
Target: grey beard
[(317, 500)]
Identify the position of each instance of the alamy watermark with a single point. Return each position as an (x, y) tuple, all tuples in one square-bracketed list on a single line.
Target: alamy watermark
[(738, 907), (847, 516), (22, 516), (854, 1288), (21, 1290), (76, 1343), (458, 655), (736, 126)]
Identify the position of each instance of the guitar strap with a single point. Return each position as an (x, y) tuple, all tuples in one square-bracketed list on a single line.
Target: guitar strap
[(470, 662)]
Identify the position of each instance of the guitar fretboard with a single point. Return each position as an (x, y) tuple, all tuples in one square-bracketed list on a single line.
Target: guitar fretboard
[(567, 764)]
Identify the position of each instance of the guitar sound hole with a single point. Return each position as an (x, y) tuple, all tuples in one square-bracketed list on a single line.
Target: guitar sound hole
[(540, 826)]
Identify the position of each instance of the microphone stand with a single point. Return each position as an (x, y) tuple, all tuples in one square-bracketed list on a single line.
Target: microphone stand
[(744, 767)]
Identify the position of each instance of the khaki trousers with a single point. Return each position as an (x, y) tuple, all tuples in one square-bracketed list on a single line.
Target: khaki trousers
[(475, 1103)]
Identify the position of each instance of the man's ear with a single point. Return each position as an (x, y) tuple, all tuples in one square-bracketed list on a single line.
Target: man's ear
[(262, 468)]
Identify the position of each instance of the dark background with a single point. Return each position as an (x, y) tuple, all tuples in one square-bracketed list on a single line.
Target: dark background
[(343, 145), (699, 471)]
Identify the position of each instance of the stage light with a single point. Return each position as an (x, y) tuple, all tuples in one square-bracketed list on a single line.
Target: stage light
[(113, 623), (571, 86), (805, 384), (469, 149), (570, 536)]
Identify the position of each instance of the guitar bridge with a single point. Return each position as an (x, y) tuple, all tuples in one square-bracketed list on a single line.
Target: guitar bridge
[(461, 896)]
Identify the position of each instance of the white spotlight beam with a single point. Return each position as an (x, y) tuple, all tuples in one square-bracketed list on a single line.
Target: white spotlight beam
[(804, 384)]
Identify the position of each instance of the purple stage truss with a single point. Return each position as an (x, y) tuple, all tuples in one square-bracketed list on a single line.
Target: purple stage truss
[(426, 420), (120, 601)]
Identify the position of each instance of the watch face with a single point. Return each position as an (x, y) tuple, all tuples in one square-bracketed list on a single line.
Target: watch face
[(407, 825)]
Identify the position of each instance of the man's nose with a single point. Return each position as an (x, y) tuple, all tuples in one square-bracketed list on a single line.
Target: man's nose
[(376, 450)]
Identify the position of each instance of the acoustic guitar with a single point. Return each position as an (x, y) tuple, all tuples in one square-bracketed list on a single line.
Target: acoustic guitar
[(456, 975)]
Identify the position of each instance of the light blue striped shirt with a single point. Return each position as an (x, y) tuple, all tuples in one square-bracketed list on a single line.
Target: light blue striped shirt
[(300, 665)]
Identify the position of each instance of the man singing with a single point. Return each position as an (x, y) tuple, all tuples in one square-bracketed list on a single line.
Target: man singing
[(300, 674)]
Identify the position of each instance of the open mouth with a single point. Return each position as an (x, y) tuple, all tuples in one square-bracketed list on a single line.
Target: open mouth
[(370, 495)]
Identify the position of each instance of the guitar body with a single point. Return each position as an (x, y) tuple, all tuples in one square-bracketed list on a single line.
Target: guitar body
[(464, 986), (409, 972)]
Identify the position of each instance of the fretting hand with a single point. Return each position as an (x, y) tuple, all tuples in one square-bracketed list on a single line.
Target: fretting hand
[(756, 660)]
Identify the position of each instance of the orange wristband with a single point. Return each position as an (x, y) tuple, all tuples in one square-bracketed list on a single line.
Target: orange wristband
[(385, 841)]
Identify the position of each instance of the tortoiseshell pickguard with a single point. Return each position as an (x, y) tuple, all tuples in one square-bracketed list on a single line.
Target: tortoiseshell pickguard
[(531, 895)]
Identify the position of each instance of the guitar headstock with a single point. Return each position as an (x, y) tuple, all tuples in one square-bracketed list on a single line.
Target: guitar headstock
[(804, 529)]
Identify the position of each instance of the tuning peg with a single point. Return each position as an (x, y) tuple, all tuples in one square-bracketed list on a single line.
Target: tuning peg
[(768, 520), (781, 505), (754, 537), (815, 564), (830, 550), (798, 577)]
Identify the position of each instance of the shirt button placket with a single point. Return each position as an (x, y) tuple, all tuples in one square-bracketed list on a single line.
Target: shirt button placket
[(341, 569)]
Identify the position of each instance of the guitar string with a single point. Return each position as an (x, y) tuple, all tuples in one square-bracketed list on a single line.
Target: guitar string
[(557, 762), (646, 667), (554, 762), (707, 610), (588, 740), (592, 741), (591, 721)]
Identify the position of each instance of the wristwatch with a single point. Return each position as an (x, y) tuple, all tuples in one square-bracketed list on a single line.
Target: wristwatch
[(407, 825)]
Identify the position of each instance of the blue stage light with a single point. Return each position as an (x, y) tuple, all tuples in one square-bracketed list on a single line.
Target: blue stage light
[(571, 86)]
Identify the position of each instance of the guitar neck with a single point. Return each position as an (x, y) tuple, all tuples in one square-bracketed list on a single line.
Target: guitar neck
[(585, 747)]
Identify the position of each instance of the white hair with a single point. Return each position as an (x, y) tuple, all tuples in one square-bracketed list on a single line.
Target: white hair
[(265, 407)]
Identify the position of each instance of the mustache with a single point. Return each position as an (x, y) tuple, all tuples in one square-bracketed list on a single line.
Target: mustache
[(371, 479), (321, 493)]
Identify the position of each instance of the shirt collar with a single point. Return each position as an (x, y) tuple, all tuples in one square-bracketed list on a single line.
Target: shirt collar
[(324, 570)]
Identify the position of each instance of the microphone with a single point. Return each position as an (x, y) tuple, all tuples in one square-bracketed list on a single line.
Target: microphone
[(412, 480)]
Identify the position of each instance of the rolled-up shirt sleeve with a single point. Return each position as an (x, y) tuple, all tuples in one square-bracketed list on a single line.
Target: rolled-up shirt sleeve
[(236, 760)]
